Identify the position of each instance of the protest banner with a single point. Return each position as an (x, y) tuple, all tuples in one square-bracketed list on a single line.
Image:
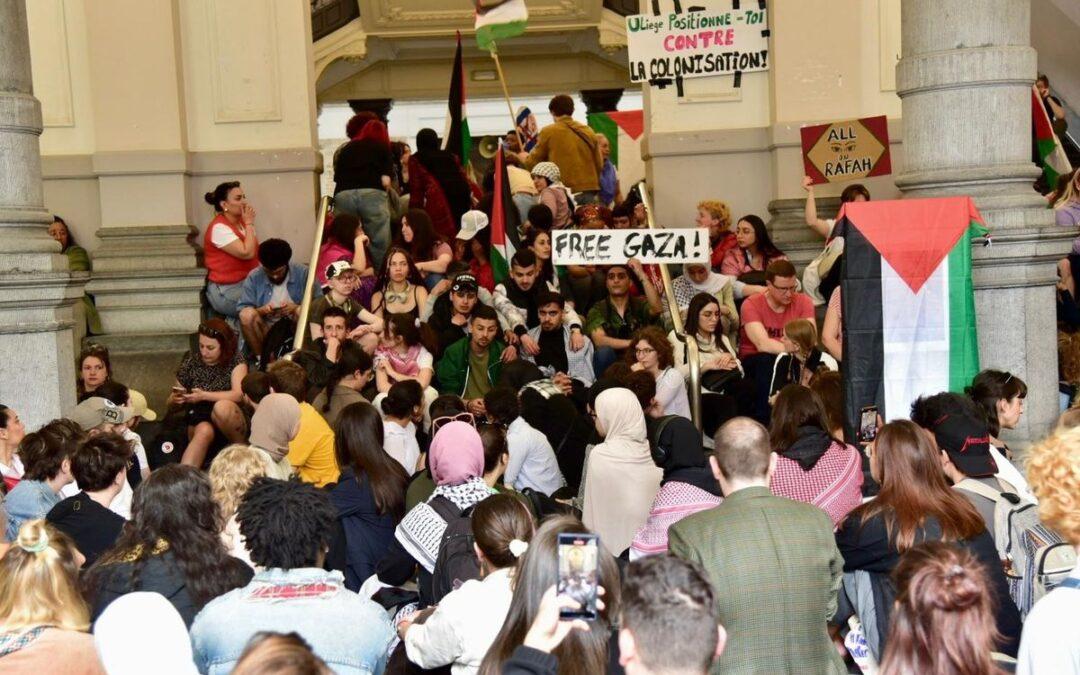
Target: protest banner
[(609, 247), (847, 150), (715, 41)]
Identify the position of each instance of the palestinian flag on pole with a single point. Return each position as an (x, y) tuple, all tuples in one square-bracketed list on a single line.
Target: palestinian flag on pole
[(456, 137), (498, 20), (505, 220), (907, 301), (1048, 148)]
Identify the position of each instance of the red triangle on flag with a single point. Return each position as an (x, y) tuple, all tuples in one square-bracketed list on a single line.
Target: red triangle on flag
[(630, 121), (913, 235)]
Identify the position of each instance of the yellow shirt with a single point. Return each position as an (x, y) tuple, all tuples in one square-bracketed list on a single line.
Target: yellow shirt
[(312, 451)]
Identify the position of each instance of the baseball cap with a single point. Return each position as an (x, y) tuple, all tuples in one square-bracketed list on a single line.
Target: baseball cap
[(96, 411), (471, 223), (464, 283), (967, 443), (337, 268), (139, 407)]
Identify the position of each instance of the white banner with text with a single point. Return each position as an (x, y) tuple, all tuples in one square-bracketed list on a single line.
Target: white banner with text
[(610, 247)]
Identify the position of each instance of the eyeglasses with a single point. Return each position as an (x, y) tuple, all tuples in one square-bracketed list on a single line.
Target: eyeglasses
[(644, 350), (783, 289), (439, 422)]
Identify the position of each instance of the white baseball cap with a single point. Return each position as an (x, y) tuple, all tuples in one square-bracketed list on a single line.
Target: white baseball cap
[(471, 223)]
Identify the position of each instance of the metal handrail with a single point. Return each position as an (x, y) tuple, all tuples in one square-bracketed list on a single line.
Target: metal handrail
[(305, 304), (692, 355)]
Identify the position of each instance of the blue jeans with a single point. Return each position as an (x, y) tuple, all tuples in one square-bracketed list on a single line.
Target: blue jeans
[(524, 201), (372, 207), (602, 359), (432, 279)]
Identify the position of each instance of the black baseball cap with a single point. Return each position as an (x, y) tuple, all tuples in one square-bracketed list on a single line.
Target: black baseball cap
[(967, 443), (464, 283)]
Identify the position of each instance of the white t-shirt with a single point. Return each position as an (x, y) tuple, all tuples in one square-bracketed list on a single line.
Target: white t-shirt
[(221, 235), (15, 470), (140, 452), (400, 443), (1051, 639), (1008, 472), (671, 393)]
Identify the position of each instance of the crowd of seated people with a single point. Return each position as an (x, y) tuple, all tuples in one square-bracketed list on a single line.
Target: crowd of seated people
[(396, 495)]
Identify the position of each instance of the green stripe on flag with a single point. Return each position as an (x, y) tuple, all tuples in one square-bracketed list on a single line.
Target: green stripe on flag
[(499, 269), (487, 36), (963, 333), (601, 123)]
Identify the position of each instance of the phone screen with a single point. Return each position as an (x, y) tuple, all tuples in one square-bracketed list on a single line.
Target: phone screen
[(578, 557), (868, 424)]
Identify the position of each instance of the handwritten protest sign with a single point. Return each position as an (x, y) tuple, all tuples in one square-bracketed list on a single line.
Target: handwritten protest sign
[(714, 41), (608, 247), (848, 150)]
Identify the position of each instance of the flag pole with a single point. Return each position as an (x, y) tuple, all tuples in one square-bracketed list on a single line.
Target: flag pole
[(506, 94)]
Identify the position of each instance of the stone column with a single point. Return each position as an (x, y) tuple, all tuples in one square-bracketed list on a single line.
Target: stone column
[(379, 106), (965, 79), (36, 290), (601, 100)]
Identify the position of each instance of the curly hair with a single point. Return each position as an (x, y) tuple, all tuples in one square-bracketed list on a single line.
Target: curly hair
[(718, 210), (654, 335), (173, 506), (1053, 469), (231, 474), (287, 524)]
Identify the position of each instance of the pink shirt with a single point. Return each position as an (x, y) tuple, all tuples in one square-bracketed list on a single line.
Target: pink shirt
[(756, 309)]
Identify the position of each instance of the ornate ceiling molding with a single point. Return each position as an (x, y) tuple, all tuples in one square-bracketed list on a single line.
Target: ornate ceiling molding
[(348, 42)]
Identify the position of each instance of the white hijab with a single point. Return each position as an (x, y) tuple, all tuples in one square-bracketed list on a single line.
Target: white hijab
[(713, 285), (140, 633), (621, 479)]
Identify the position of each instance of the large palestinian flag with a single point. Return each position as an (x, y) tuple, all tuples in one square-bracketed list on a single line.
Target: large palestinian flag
[(623, 129), (498, 20), (908, 307)]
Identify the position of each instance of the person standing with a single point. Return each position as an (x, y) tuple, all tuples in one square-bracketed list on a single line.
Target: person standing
[(773, 562), (437, 184), (573, 147), (362, 170)]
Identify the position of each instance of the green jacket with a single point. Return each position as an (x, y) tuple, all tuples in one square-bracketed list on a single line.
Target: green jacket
[(453, 368), (774, 565)]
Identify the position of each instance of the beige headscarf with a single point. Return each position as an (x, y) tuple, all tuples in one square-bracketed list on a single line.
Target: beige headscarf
[(621, 479), (275, 423)]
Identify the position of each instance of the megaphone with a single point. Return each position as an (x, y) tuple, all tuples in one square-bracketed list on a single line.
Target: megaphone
[(489, 146)]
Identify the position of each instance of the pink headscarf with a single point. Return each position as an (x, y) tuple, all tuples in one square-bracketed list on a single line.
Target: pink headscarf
[(456, 454)]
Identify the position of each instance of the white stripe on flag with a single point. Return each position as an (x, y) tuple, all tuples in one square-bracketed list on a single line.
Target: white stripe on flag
[(915, 334)]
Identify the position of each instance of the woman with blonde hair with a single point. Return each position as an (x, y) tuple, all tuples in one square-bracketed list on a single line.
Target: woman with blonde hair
[(1051, 639), (231, 474), (802, 359), (43, 619)]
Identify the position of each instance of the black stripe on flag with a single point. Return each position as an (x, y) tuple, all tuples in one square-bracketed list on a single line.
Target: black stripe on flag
[(861, 311), (455, 102)]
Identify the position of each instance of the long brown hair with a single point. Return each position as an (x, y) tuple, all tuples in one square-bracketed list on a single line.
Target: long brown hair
[(943, 619), (796, 406), (582, 652), (218, 330), (913, 488), (496, 522), (425, 238), (358, 444)]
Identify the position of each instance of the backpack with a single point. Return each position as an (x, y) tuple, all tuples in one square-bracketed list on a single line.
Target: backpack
[(456, 562), (822, 274), (1036, 558)]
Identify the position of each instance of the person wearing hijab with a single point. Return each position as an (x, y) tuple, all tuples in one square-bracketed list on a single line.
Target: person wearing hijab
[(438, 184), (275, 423), (688, 485), (362, 170), (162, 646), (456, 462), (621, 479), (698, 278)]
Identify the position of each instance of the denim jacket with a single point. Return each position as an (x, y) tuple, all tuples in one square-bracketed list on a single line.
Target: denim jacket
[(28, 500), (257, 288), (350, 633)]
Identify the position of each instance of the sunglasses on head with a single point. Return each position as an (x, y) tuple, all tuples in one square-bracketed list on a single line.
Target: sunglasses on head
[(438, 422), (210, 331)]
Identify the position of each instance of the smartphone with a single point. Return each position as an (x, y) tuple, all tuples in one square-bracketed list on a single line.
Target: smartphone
[(868, 417), (578, 560)]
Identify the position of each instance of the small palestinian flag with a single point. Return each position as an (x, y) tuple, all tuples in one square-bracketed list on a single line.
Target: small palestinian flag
[(621, 127), (498, 20), (1048, 148), (505, 220), (908, 307), (456, 137)]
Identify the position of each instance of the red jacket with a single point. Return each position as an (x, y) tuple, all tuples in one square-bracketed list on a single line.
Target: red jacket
[(223, 267)]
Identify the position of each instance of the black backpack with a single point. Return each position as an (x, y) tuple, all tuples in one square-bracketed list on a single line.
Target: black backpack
[(456, 562)]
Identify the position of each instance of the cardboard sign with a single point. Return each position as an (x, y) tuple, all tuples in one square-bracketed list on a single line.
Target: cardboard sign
[(848, 150), (610, 247), (716, 41)]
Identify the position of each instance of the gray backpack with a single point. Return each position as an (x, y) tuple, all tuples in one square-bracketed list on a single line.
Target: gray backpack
[(1036, 559)]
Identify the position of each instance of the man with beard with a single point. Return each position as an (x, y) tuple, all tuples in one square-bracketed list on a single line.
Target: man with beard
[(516, 299), (553, 338), (471, 366), (450, 315)]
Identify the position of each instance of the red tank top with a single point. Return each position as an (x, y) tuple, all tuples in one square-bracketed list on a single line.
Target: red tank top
[(223, 267)]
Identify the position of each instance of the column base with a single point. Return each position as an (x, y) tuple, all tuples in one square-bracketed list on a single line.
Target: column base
[(790, 233)]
